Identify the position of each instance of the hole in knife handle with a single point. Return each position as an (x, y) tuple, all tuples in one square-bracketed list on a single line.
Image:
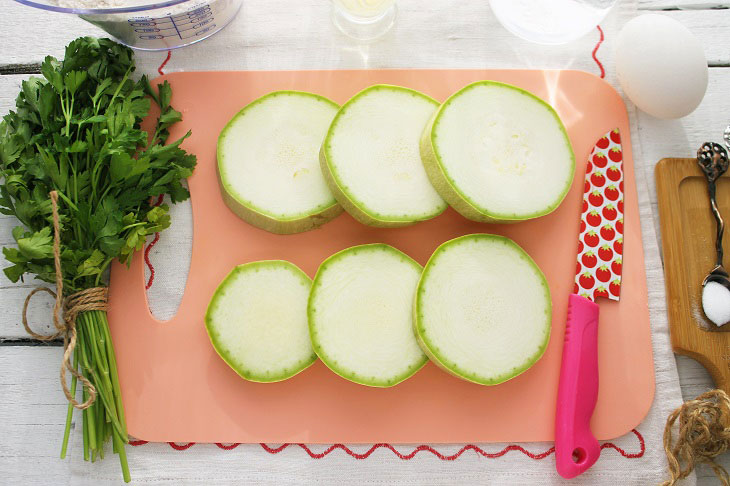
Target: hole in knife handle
[(579, 455)]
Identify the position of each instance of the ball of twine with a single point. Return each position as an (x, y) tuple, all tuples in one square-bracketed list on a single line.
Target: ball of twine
[(704, 434)]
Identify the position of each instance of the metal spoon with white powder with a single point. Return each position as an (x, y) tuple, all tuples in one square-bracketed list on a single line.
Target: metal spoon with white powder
[(713, 161)]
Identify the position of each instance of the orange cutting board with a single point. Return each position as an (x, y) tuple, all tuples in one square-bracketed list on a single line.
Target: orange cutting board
[(688, 242), (176, 388)]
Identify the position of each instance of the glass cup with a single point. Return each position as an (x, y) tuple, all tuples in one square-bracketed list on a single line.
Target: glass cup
[(364, 20), (550, 21), (158, 25)]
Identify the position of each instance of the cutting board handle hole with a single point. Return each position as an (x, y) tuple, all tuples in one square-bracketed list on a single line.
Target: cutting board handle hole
[(170, 258)]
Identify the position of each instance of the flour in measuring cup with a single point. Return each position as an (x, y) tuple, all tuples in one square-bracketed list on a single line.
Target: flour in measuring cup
[(99, 3), (157, 28), (90, 4)]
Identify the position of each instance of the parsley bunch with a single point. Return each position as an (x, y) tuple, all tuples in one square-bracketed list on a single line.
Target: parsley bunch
[(77, 130)]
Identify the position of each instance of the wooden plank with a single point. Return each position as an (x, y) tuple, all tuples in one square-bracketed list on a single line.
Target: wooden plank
[(20, 68), (9, 88), (40, 311), (34, 34), (711, 28), (279, 36), (695, 379), (681, 138), (681, 4), (688, 236), (32, 415)]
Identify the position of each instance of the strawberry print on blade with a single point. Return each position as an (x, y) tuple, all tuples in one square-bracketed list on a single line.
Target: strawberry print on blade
[(600, 259)]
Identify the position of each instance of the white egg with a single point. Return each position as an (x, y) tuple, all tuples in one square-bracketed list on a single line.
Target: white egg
[(661, 66)]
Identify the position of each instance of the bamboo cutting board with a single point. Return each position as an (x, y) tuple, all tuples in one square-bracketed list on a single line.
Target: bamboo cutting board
[(688, 243)]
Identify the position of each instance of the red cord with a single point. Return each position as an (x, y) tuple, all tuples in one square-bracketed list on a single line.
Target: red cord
[(181, 447), (412, 454), (628, 455), (149, 247), (595, 50), (148, 262), (162, 66), (228, 447)]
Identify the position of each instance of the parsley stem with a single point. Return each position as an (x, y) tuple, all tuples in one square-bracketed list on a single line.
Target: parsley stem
[(104, 324), (69, 412), (85, 425), (141, 223), (103, 386), (82, 343), (102, 269), (120, 85), (106, 380)]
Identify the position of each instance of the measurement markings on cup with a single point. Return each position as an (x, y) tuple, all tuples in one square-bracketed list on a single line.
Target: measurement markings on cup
[(186, 25)]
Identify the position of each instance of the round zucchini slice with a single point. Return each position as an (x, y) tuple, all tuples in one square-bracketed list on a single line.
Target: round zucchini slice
[(483, 310), (360, 315), (257, 321), (370, 157), (268, 162), (497, 153)]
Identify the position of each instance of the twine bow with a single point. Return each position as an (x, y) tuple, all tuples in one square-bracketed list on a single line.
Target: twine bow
[(70, 307), (704, 433)]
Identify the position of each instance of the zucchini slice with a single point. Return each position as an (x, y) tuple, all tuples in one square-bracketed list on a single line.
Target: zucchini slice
[(360, 315), (370, 157), (268, 162), (257, 321), (497, 153), (483, 310)]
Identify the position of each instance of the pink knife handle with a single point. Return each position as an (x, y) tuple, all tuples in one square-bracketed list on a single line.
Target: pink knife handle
[(576, 449)]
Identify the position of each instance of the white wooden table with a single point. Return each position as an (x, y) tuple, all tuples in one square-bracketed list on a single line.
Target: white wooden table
[(32, 407)]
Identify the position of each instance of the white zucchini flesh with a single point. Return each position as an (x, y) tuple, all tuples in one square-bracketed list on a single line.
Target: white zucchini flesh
[(268, 162), (360, 315), (257, 321), (483, 310), (371, 157), (497, 153)]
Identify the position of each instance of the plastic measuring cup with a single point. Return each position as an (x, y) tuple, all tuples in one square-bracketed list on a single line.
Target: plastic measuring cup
[(156, 26)]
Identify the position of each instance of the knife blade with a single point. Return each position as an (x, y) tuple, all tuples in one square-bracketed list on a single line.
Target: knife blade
[(597, 276)]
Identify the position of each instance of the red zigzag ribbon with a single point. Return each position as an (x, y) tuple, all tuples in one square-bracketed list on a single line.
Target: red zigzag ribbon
[(416, 450), (595, 50)]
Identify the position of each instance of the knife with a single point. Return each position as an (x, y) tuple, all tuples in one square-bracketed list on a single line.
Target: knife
[(598, 276)]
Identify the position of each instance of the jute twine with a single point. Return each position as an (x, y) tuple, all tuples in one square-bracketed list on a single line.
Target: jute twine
[(71, 306), (704, 433)]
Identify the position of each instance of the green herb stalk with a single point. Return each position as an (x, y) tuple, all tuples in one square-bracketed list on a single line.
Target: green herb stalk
[(76, 130)]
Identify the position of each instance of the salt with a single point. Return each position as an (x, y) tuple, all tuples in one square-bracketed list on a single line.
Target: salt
[(716, 303)]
